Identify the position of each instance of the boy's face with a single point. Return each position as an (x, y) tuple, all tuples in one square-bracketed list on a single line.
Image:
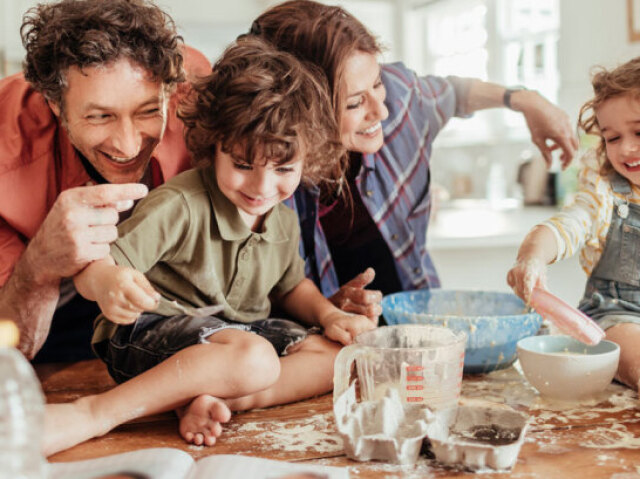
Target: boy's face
[(115, 116), (619, 122), (256, 188)]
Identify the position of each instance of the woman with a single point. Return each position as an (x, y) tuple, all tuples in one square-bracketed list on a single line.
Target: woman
[(388, 118)]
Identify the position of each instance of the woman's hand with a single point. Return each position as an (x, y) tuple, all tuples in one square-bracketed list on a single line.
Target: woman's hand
[(344, 327), (550, 126), (353, 298)]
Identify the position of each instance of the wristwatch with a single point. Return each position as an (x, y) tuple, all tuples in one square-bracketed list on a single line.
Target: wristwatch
[(506, 98)]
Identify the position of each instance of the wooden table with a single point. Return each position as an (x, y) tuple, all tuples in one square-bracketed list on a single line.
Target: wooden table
[(595, 439)]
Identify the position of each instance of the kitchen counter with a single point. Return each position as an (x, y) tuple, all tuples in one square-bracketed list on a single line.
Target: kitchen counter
[(474, 246), (480, 227)]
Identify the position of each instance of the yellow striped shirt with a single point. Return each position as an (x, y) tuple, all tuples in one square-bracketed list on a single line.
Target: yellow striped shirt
[(583, 225)]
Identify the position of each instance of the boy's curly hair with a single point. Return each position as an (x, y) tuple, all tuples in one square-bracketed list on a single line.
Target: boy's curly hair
[(608, 84), (87, 33), (269, 103)]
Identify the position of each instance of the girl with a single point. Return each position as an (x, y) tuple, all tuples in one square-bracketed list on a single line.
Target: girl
[(604, 222)]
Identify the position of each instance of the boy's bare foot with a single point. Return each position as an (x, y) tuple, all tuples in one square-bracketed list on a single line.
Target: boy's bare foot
[(200, 420)]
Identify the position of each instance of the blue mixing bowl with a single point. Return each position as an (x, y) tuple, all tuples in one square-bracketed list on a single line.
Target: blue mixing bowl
[(494, 322)]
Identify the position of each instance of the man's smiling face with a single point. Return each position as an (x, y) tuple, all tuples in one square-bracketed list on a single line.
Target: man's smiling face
[(115, 116)]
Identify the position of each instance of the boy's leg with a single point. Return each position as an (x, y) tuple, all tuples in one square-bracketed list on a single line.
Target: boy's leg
[(627, 336), (305, 372), (234, 363)]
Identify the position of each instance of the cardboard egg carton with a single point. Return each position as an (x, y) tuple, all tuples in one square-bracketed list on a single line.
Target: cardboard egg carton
[(477, 435), (481, 436), (384, 430)]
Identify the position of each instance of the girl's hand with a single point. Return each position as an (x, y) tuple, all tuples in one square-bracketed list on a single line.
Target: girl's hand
[(526, 274), (126, 293), (344, 327)]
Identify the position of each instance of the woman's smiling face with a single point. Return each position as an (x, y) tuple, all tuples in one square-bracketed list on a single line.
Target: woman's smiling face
[(363, 108)]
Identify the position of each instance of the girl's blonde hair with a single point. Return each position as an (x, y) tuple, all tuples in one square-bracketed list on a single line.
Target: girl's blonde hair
[(607, 84)]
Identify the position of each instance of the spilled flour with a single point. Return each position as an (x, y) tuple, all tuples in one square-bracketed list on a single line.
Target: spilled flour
[(315, 433), (604, 426), (611, 437), (601, 415)]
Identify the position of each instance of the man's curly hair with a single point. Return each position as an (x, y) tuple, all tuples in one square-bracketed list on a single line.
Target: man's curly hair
[(607, 84), (89, 33), (269, 105)]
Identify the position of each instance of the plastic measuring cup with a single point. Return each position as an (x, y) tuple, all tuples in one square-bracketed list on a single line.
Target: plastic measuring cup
[(424, 363), (567, 319)]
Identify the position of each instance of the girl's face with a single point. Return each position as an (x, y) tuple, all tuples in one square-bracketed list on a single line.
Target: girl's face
[(619, 122), (258, 187), (363, 105)]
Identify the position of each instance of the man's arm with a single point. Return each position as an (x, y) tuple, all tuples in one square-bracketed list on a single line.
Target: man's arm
[(77, 230), (549, 125)]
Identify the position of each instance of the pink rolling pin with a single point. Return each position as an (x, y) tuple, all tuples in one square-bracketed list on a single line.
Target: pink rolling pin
[(566, 318)]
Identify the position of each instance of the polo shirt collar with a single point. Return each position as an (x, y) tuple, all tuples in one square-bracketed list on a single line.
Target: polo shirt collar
[(230, 223)]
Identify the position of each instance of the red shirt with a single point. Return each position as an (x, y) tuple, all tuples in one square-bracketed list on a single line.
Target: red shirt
[(38, 162)]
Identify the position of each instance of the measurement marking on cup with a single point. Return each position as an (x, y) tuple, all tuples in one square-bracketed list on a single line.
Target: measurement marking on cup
[(413, 375)]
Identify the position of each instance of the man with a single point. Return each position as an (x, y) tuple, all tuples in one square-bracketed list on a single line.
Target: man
[(85, 131)]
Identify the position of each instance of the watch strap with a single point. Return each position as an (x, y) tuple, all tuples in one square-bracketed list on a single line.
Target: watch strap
[(506, 98)]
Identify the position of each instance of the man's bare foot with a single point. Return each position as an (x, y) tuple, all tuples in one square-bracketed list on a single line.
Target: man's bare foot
[(200, 420)]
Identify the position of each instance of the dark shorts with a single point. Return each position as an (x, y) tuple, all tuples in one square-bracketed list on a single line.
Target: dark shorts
[(70, 336), (137, 347)]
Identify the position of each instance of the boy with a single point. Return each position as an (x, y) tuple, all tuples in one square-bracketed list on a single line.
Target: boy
[(219, 236)]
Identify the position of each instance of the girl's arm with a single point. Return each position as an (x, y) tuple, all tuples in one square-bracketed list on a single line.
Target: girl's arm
[(121, 292), (307, 304), (538, 249)]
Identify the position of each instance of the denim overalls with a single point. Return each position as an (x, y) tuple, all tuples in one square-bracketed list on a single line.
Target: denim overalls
[(614, 285)]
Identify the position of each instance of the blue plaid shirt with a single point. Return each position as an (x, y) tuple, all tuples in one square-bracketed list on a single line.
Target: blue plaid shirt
[(393, 182)]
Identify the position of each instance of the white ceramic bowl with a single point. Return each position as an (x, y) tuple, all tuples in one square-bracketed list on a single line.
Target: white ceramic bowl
[(561, 367)]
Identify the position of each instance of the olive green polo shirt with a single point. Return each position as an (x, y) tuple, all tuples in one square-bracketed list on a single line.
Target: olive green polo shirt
[(196, 251)]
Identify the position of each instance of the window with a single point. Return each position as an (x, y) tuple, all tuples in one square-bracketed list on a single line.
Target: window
[(511, 42)]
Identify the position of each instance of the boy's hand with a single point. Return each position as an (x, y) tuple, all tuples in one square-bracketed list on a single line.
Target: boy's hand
[(525, 275), (344, 327), (126, 293)]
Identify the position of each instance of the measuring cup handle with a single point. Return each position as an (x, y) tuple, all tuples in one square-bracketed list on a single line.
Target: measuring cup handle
[(342, 368)]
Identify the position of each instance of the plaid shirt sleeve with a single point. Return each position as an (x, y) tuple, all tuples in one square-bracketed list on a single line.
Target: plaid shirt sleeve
[(394, 182)]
